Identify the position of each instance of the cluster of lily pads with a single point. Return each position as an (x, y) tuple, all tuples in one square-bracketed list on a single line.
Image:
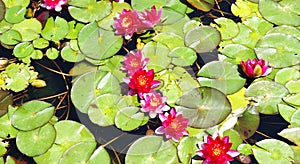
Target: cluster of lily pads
[(154, 81)]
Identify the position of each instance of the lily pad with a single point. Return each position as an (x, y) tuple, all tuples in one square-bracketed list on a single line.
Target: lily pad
[(286, 74), (237, 53), (40, 43), (74, 29), (100, 154), (29, 29), (97, 43), (70, 55), (280, 50), (285, 29), (129, 118), (52, 53), (222, 76), (283, 12), (292, 99), (204, 106), (292, 134), (227, 27), (7, 130), (89, 10), (243, 8), (89, 85), (281, 153), (157, 151), (15, 14), (170, 39), (202, 39), (32, 114), (183, 56), (113, 65), (286, 111), (141, 5), (267, 95), (23, 50), (246, 32), (187, 149), (234, 137), (2, 10), (9, 3), (36, 142), (6, 99), (205, 5), (295, 119), (11, 37), (55, 30), (293, 86)]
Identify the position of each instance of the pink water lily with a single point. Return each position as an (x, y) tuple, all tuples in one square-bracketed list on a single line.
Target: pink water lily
[(254, 68), (151, 17), (154, 103), (216, 150), (173, 125), (134, 61), (54, 4)]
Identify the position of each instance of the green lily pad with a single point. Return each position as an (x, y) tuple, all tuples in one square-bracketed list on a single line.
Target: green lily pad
[(89, 85), (286, 74), (204, 106), (205, 5), (15, 14), (10, 3), (7, 130), (176, 28), (52, 53), (113, 65), (3, 146), (202, 39), (97, 43), (55, 30), (258, 24), (6, 99), (104, 108), (292, 99), (183, 56), (78, 153), (11, 37), (234, 137), (82, 68), (237, 53), (267, 94), (89, 10), (51, 156), (36, 142), (285, 29), (37, 54), (129, 118), (170, 16), (292, 134), (142, 5), (157, 53), (248, 123), (4, 26), (245, 149), (23, 50), (222, 76), (2, 10), (70, 55), (40, 43), (281, 153), (187, 149), (238, 100), (227, 27), (10, 160), (295, 119), (32, 115), (247, 36), (189, 25), (100, 154), (243, 8), (157, 151), (171, 40), (286, 111), (293, 86), (283, 12), (74, 29), (296, 150), (29, 29)]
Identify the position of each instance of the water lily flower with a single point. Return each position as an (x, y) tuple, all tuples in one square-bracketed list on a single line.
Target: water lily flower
[(151, 18), (216, 150), (254, 68), (142, 82), (173, 125), (54, 4), (134, 61), (127, 23), (154, 103)]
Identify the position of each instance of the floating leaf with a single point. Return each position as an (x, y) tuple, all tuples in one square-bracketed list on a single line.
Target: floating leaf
[(238, 100), (235, 138), (29, 29), (40, 43), (295, 119), (281, 153), (7, 130), (15, 14), (36, 142), (227, 27), (204, 5), (171, 40), (245, 149), (189, 25), (246, 32), (23, 50), (74, 29), (157, 151), (2, 10), (89, 85), (183, 56), (283, 12), (222, 76), (177, 27), (267, 94), (97, 43), (11, 37), (285, 29), (141, 5), (81, 68), (55, 30), (113, 65), (100, 154), (293, 86), (237, 53), (70, 55), (202, 39), (10, 3), (286, 111), (32, 114), (89, 10), (6, 99), (204, 106), (52, 53), (157, 53), (129, 118), (286, 74), (187, 149), (292, 134), (293, 99), (243, 8), (170, 16)]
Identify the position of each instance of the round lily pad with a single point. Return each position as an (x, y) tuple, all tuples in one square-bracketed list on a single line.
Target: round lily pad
[(283, 12), (40, 43), (70, 55), (97, 43), (100, 154), (286, 74), (293, 86), (183, 56), (235, 138), (247, 36), (15, 14), (227, 27), (286, 111), (202, 39), (205, 5), (204, 107), (74, 29), (171, 40), (280, 50), (187, 149), (89, 85), (104, 108), (237, 53), (129, 118), (32, 115), (78, 153), (7, 130), (23, 50), (113, 65), (52, 53), (37, 141), (223, 76), (151, 150), (29, 29), (55, 30), (292, 99), (292, 134), (11, 37), (285, 29), (281, 153), (267, 95)]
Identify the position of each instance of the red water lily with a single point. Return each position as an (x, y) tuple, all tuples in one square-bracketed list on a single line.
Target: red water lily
[(216, 150), (142, 82), (254, 68), (134, 61), (54, 4), (154, 103), (173, 125)]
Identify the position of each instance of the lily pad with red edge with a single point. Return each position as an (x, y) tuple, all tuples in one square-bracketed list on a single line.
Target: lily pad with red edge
[(204, 107), (157, 151), (267, 95)]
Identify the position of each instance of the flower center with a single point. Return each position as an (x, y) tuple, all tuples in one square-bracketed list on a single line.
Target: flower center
[(217, 151), (174, 125), (154, 102), (134, 63), (126, 22), (142, 80)]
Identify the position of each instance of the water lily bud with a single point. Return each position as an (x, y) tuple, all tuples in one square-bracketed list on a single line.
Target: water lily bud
[(3, 63), (254, 68), (38, 83)]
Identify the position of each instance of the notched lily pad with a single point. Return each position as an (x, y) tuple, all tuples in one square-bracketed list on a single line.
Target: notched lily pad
[(55, 30), (129, 118)]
